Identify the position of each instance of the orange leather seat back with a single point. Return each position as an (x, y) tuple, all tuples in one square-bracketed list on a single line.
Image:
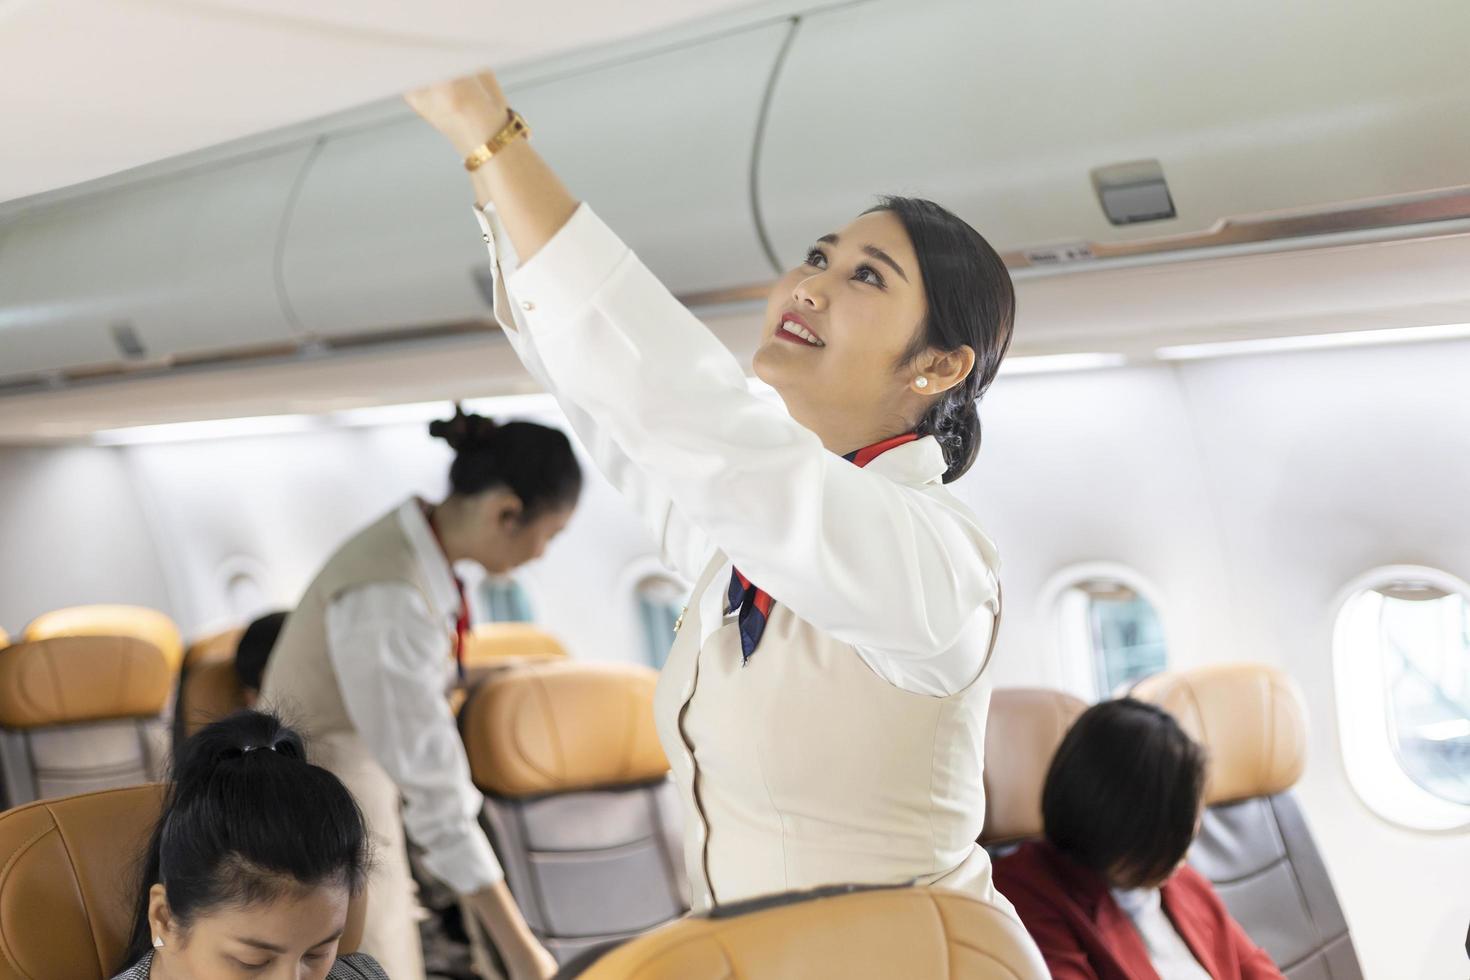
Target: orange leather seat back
[(1022, 733), (865, 935), (557, 726), (68, 882), (492, 644), (1250, 719), (112, 620)]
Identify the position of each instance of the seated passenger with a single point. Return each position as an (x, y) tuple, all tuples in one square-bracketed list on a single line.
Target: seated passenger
[(254, 650), (252, 864), (1107, 894)]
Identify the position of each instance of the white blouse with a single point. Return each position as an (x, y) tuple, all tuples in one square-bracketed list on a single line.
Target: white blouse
[(664, 409), (1171, 957)]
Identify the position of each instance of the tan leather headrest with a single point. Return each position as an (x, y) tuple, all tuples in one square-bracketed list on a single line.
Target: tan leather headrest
[(69, 878), (215, 646), (109, 620), (868, 935), (1250, 719), (562, 725), (68, 881), (1021, 735), (81, 678), (211, 691), (491, 643)]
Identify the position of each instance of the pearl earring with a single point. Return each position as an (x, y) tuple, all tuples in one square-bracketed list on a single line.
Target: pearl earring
[(921, 382), (158, 942)]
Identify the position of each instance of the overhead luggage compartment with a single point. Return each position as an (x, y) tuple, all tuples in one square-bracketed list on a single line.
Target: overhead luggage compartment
[(178, 267), (1004, 111), (382, 237)]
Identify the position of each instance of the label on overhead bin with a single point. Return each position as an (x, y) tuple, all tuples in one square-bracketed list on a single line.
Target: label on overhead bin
[(1060, 254)]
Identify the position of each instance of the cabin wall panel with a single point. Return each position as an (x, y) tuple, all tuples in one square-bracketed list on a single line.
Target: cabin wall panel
[(1323, 466), (73, 532)]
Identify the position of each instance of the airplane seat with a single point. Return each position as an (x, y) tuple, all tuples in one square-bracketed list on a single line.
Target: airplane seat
[(1022, 732), (489, 644), (1254, 844), (578, 801), (80, 713), (112, 620), (208, 687), (69, 879), (847, 932)]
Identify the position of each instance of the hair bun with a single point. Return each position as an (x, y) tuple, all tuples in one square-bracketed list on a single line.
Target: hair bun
[(464, 431), (241, 735)]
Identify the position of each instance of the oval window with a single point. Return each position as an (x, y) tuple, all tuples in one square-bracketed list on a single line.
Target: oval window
[(1401, 653)]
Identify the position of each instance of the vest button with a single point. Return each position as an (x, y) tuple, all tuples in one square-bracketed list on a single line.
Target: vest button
[(527, 305)]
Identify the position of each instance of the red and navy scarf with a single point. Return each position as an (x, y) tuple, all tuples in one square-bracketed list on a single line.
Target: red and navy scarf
[(754, 604)]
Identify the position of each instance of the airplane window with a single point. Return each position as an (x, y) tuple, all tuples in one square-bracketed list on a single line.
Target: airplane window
[(502, 600), (661, 600), (1403, 676), (1108, 623)]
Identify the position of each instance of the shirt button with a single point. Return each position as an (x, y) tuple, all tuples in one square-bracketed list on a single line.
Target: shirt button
[(485, 239), (527, 305)]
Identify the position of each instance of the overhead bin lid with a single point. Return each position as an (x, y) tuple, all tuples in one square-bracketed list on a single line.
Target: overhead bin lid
[(1002, 111), (382, 236), (149, 272)]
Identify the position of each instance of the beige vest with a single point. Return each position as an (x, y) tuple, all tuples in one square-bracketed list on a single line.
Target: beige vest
[(300, 681), (805, 768)]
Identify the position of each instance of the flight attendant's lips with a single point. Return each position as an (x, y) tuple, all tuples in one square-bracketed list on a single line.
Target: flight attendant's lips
[(793, 328)]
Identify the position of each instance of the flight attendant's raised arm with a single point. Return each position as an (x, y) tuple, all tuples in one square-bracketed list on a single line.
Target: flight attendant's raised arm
[(530, 199)]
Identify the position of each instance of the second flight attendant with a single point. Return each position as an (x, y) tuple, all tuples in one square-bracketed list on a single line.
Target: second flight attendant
[(824, 704), (364, 662)]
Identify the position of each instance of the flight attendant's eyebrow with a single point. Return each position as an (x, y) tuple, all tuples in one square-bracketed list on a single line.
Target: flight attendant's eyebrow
[(874, 251)]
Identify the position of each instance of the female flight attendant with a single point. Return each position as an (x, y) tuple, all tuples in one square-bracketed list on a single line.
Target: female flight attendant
[(823, 707), (366, 658)]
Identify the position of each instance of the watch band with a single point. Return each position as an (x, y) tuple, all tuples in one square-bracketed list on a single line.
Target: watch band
[(515, 128)]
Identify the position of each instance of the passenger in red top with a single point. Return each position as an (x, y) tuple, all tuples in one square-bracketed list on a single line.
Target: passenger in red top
[(1106, 894)]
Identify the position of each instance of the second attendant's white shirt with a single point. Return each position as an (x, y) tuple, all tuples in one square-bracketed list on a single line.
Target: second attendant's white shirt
[(905, 575), (394, 661)]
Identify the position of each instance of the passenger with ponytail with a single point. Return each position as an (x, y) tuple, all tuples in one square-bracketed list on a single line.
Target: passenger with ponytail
[(823, 706), (372, 648), (252, 865)]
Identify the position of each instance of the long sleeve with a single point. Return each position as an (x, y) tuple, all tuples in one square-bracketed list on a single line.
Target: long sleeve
[(886, 567), (390, 657), (682, 546)]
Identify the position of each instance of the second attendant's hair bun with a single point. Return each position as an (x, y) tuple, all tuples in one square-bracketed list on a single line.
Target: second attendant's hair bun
[(464, 431)]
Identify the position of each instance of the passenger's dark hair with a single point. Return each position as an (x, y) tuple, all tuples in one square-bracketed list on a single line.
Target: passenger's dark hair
[(971, 302), (246, 819), (534, 462), (1123, 792), (254, 648)]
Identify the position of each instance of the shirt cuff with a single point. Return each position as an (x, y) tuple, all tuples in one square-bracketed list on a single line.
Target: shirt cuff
[(562, 278), (466, 865)]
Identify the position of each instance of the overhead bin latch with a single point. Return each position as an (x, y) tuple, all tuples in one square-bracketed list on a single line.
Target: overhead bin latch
[(1133, 192)]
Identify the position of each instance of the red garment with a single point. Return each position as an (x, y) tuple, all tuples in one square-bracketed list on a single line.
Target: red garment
[(1085, 935)]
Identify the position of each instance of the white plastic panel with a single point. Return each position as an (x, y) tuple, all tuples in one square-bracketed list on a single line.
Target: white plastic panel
[(383, 237), (1000, 110), (187, 263)]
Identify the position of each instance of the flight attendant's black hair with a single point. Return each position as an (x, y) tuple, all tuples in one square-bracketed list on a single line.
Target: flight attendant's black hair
[(534, 462), (970, 302), (246, 819), (1123, 793)]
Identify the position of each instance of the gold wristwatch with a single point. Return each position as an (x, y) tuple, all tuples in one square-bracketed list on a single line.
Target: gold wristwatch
[(514, 129)]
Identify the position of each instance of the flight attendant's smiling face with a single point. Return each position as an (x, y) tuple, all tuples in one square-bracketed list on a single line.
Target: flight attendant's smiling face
[(838, 327)]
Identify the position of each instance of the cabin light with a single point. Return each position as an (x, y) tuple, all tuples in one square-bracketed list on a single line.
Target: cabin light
[(1053, 363), (1315, 341), (404, 414), (261, 425)]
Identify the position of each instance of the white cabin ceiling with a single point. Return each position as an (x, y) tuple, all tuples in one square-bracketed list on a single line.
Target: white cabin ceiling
[(92, 87)]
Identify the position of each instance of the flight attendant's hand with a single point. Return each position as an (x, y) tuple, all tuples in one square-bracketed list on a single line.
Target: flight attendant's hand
[(524, 956), (468, 110)]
